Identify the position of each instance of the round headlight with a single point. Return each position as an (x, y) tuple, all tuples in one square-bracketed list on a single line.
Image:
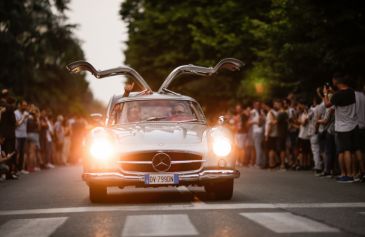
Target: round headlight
[(221, 146), (101, 149)]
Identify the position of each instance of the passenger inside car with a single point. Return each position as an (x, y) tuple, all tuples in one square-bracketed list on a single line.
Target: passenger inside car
[(179, 113)]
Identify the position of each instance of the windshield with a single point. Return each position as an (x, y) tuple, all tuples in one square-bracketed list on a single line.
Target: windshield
[(156, 111)]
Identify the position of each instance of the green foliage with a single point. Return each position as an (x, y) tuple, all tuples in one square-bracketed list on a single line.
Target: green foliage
[(35, 46), (287, 45)]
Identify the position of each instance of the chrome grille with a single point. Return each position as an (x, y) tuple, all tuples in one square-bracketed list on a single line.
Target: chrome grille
[(142, 162)]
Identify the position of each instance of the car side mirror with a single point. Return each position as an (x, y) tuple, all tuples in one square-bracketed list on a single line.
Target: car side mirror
[(97, 118), (221, 120)]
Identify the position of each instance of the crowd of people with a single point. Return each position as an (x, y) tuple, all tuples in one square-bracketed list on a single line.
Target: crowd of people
[(32, 139), (327, 136)]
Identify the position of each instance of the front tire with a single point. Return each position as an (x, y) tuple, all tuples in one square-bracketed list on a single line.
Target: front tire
[(97, 193), (222, 190)]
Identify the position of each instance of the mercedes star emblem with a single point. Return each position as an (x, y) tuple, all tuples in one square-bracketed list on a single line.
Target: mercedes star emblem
[(161, 162)]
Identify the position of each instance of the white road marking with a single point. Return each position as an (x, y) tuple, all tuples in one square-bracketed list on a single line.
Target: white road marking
[(35, 227), (158, 225), (177, 207), (285, 222)]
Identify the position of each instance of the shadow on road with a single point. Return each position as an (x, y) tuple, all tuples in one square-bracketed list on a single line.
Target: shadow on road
[(154, 196)]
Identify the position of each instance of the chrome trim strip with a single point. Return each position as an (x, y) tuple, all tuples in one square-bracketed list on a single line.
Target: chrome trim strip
[(150, 162), (195, 177), (135, 162)]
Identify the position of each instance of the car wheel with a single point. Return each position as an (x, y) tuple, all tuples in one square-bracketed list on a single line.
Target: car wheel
[(97, 193), (220, 190)]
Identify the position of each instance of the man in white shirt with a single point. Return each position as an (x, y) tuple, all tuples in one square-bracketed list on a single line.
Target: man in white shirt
[(346, 125), (21, 116)]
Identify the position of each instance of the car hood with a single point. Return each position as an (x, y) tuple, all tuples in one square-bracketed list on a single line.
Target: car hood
[(160, 136)]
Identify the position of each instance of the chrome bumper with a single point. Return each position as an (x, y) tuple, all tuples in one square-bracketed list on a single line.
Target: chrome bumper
[(119, 179)]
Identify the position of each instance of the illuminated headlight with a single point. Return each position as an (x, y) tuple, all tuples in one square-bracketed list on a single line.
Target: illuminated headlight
[(221, 146), (101, 149)]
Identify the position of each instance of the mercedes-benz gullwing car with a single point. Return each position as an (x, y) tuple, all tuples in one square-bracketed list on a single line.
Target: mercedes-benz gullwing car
[(153, 139)]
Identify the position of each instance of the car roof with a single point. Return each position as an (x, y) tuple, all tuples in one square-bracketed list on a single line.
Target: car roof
[(154, 96)]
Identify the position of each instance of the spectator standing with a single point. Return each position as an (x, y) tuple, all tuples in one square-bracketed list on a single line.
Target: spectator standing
[(249, 149), (360, 111), (282, 127), (59, 135), (346, 125), (271, 133), (67, 141), (257, 120), (240, 130), (46, 139), (303, 138), (328, 121), (21, 116), (33, 145), (315, 113), (293, 132)]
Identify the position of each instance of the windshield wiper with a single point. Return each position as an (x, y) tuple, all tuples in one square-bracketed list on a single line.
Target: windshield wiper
[(156, 118), (189, 120)]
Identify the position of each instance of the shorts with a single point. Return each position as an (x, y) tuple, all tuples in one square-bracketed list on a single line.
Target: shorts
[(240, 140), (304, 146), (34, 138), (347, 141), (271, 143)]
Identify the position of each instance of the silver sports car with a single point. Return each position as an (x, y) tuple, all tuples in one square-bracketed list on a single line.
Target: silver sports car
[(158, 138)]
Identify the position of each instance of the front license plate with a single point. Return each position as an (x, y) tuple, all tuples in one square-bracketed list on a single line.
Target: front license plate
[(161, 179)]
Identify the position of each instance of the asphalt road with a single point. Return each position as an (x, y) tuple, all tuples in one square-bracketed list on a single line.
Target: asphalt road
[(265, 203)]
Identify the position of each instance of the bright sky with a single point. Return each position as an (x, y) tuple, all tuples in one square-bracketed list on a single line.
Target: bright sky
[(102, 34)]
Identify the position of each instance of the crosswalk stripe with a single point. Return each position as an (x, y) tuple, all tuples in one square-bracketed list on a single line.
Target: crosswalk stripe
[(177, 207), (35, 227), (285, 222), (158, 225)]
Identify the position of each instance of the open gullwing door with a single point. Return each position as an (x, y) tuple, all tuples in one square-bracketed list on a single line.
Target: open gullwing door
[(78, 66), (230, 64)]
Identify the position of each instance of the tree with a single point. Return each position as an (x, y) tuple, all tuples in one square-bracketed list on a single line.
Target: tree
[(287, 45), (36, 44)]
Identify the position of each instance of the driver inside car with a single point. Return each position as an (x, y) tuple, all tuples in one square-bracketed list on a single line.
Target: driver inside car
[(179, 113), (134, 113)]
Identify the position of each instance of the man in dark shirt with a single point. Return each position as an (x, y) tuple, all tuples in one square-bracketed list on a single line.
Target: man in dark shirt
[(282, 125)]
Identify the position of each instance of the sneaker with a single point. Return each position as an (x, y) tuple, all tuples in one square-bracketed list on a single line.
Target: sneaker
[(24, 172), (2, 177), (37, 168), (345, 179), (49, 165)]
